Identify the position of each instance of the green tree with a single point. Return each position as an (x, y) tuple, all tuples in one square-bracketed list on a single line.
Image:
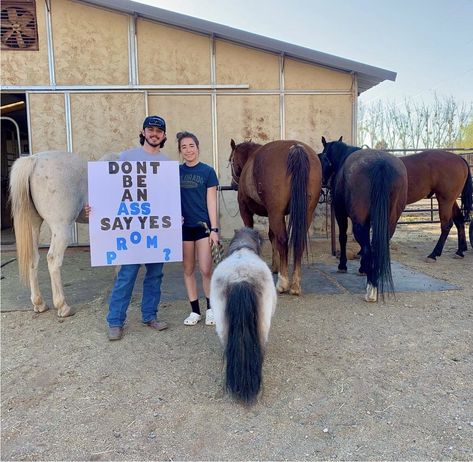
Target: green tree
[(465, 139)]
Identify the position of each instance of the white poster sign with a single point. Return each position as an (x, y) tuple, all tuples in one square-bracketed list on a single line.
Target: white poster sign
[(135, 212)]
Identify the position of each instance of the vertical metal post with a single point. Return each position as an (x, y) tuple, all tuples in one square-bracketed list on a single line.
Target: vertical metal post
[(28, 121), (49, 38), (69, 144), (213, 110), (132, 55), (282, 99)]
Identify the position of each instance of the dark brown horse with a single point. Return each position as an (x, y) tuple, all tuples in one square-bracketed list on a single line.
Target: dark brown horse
[(370, 187), (274, 180), (446, 175)]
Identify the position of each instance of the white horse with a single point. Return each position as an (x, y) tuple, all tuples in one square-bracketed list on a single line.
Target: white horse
[(52, 187), (243, 298)]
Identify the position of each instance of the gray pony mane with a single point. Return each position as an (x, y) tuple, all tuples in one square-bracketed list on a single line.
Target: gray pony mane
[(246, 238)]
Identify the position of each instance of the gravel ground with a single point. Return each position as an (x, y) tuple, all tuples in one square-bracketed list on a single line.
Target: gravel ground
[(343, 379)]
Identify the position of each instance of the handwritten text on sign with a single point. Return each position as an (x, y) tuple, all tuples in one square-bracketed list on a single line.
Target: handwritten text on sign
[(136, 212)]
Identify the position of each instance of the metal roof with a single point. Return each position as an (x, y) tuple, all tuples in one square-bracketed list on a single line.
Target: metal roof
[(368, 76)]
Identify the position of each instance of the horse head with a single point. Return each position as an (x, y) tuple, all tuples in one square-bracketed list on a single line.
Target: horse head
[(238, 158), (248, 238), (327, 169), (334, 155)]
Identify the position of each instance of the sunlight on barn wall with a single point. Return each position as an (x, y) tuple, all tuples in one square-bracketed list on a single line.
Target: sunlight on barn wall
[(282, 97)]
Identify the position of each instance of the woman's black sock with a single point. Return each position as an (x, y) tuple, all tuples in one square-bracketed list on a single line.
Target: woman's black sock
[(195, 306), (208, 303)]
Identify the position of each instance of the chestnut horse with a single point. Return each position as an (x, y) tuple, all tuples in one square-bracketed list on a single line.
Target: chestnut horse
[(370, 187), (274, 180), (446, 175)]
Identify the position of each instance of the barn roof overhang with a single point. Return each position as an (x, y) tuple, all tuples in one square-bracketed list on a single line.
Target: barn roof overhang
[(368, 76)]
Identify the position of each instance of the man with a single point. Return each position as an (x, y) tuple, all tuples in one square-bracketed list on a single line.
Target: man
[(152, 139)]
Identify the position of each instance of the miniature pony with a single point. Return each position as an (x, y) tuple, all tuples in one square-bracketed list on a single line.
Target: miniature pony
[(243, 298)]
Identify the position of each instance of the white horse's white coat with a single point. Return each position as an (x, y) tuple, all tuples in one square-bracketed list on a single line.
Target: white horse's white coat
[(52, 187), (243, 265)]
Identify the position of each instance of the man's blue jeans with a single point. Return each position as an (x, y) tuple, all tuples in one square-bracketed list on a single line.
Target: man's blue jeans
[(123, 288)]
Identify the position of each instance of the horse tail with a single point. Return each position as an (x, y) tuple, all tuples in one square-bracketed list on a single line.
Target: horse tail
[(382, 176), (298, 166), (244, 350), (467, 195), (22, 208)]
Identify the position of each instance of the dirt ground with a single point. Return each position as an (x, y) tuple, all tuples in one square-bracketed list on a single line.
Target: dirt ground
[(343, 379)]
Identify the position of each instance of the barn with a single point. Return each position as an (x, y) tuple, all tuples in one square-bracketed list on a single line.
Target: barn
[(81, 76)]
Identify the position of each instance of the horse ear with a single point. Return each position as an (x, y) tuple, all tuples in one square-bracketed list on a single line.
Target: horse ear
[(340, 138), (324, 142), (232, 144)]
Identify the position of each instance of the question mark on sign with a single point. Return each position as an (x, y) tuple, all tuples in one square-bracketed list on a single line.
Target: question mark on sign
[(167, 252)]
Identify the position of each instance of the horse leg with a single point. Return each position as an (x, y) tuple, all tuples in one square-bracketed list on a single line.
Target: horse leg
[(274, 254), (342, 221), (59, 243), (446, 223), (278, 226), (39, 306), (362, 236), (459, 222)]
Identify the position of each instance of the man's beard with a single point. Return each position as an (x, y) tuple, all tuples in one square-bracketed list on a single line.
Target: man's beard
[(153, 144)]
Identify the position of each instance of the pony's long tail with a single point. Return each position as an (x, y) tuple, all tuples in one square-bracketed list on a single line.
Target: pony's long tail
[(244, 351), (298, 167), (382, 176), (467, 196), (22, 208)]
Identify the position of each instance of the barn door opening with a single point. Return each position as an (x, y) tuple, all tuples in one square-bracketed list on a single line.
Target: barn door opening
[(14, 143)]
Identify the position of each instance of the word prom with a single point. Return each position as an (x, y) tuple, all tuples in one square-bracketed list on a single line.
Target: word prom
[(135, 212)]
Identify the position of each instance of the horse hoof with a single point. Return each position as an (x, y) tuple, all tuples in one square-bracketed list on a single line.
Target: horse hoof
[(282, 285), (40, 308), (430, 259), (65, 311), (294, 291), (341, 270), (371, 293)]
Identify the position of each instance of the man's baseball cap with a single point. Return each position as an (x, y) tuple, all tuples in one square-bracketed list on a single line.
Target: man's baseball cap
[(155, 121)]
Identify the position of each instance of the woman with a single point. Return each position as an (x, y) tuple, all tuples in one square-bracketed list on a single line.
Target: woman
[(199, 228)]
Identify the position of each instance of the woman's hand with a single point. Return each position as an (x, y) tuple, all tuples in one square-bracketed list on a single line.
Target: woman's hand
[(88, 210), (213, 238)]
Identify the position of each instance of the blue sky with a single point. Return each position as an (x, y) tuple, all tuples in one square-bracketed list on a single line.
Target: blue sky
[(429, 43)]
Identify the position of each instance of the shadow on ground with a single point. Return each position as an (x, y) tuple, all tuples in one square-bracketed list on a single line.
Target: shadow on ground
[(82, 283)]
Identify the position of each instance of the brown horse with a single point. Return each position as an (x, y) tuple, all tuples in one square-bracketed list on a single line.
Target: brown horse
[(370, 187), (274, 180), (446, 175)]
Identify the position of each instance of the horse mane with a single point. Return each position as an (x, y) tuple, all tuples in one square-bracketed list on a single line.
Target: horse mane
[(341, 151)]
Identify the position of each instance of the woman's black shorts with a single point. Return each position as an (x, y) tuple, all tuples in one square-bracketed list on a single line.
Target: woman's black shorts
[(194, 233)]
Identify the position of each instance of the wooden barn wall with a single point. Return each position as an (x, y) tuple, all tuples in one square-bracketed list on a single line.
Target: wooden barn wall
[(48, 122), (169, 56), (28, 67), (233, 66), (308, 117), (90, 45), (105, 122), (185, 113), (91, 48), (299, 75)]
